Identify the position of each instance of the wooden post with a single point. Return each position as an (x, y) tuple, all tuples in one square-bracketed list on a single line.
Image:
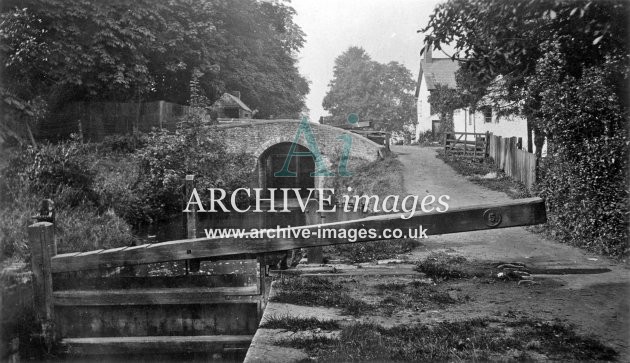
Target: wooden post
[(519, 143), (487, 144), (314, 254), (191, 223), (161, 114), (465, 144), (41, 236), (191, 217), (530, 148), (445, 138), (262, 274), (512, 151)]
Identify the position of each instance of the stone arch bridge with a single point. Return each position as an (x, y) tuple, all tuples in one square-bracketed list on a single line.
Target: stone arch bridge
[(269, 141)]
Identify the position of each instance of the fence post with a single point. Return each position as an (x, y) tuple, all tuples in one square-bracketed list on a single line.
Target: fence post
[(487, 145), (191, 222), (445, 143), (41, 237), (513, 157), (161, 113)]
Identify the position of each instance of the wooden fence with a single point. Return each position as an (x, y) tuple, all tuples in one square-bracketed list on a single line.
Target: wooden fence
[(95, 120), (466, 144), (516, 162)]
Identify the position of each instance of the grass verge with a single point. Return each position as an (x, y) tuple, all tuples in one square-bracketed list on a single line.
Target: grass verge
[(475, 339), (487, 175)]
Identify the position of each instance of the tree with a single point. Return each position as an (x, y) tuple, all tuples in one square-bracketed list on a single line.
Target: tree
[(444, 101), (54, 51), (502, 40), (381, 93), (60, 51), (259, 45)]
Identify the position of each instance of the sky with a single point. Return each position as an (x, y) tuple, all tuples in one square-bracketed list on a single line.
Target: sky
[(386, 29)]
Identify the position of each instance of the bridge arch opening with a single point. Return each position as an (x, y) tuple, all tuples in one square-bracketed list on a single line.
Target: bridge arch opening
[(272, 160)]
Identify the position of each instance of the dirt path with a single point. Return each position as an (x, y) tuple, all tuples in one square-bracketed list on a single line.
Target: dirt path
[(597, 303)]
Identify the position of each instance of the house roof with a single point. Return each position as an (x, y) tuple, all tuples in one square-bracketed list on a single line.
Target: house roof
[(230, 100), (438, 71)]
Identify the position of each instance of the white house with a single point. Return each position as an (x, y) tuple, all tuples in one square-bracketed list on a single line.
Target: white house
[(434, 71)]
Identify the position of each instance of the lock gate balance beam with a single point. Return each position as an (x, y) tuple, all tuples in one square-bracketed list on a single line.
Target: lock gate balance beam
[(515, 213)]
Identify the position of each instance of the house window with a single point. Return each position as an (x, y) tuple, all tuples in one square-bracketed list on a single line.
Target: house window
[(487, 114)]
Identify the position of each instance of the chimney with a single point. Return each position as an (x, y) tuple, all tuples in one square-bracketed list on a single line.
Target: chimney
[(428, 54), (236, 94)]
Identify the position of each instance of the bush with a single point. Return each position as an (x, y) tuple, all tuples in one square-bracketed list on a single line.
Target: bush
[(427, 137), (584, 179), (587, 196), (124, 144), (115, 184), (195, 150), (64, 170)]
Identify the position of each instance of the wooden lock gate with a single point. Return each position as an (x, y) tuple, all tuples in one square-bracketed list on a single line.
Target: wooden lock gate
[(112, 301)]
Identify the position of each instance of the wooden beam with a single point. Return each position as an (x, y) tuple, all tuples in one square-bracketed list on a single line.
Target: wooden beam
[(501, 215), (178, 296), (155, 344)]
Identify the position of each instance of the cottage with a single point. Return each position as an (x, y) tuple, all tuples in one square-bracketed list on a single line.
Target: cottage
[(434, 71)]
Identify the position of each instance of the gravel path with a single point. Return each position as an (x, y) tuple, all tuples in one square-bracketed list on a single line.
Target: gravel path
[(425, 174)]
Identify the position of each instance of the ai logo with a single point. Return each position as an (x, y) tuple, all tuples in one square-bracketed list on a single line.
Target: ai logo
[(321, 169)]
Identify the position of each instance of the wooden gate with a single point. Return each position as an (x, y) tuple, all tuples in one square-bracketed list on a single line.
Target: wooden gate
[(116, 301), (461, 145)]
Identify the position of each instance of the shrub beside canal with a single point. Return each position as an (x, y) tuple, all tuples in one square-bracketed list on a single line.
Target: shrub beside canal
[(102, 190)]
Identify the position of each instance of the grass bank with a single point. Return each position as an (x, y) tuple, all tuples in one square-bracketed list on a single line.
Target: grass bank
[(90, 185), (380, 178)]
